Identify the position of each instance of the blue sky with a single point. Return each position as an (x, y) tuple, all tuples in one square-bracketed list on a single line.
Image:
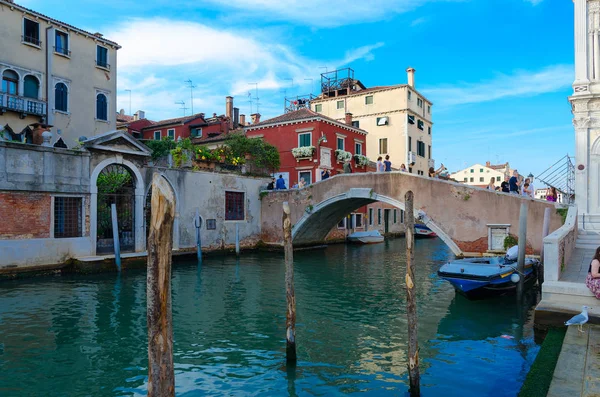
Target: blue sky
[(498, 71)]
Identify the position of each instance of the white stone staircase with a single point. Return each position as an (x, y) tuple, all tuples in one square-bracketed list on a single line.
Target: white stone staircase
[(588, 239)]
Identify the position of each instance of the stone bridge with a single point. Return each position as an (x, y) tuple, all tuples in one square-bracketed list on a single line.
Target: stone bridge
[(459, 214)]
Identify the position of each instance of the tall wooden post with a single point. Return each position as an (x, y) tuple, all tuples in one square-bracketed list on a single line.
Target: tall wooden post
[(115, 229), (411, 298), (290, 317), (522, 247), (161, 377)]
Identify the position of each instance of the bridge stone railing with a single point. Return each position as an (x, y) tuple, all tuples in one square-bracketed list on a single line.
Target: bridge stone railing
[(559, 245)]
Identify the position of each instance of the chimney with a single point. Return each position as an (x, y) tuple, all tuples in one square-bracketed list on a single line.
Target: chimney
[(255, 118), (349, 119), (243, 120), (229, 109), (140, 114), (487, 164), (236, 117), (411, 76)]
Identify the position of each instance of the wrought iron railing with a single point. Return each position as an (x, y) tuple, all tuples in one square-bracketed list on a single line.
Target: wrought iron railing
[(32, 40), (561, 176), (63, 51), (102, 64), (22, 104)]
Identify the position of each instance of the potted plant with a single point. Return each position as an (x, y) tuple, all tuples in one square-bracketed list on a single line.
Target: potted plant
[(303, 152), (360, 160), (342, 155)]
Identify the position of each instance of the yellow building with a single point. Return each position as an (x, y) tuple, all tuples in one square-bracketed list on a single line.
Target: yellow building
[(397, 117), (55, 74)]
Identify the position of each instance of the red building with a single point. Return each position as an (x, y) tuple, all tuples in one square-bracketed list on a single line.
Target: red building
[(309, 142)]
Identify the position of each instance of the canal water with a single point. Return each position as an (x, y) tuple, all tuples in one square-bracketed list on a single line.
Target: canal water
[(85, 335)]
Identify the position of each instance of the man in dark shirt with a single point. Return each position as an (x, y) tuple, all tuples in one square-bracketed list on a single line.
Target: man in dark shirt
[(504, 185), (513, 183), (271, 184), (387, 163), (324, 174), (280, 185)]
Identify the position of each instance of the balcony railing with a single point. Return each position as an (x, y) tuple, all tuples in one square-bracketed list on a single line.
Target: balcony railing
[(22, 105), (32, 40), (101, 64), (62, 51)]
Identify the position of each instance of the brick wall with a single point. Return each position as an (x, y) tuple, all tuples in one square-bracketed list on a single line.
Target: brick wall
[(24, 215)]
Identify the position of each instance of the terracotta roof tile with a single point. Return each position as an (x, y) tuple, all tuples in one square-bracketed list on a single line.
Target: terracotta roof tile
[(300, 114), (177, 120)]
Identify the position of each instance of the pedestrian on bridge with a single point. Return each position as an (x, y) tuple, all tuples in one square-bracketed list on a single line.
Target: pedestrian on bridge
[(436, 173), (280, 184), (513, 183), (324, 174), (505, 185), (403, 168), (551, 196), (387, 163), (380, 165), (491, 185), (348, 167)]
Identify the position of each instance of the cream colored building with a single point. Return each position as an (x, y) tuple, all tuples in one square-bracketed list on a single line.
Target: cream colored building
[(398, 117), (479, 175), (56, 74)]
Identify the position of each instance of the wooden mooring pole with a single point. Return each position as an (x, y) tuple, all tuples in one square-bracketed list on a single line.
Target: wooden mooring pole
[(411, 299), (290, 317), (522, 247), (115, 229), (161, 377)]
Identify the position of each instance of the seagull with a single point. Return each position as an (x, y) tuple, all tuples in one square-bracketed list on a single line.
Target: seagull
[(580, 319)]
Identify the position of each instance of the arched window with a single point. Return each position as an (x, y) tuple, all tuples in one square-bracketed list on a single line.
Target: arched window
[(101, 107), (60, 97), (31, 87), (10, 82)]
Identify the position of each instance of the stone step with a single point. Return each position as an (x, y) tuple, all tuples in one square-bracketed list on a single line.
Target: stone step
[(589, 236), (586, 245)]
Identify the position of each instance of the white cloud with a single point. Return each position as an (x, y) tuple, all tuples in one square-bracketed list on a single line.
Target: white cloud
[(158, 54), (534, 2), (520, 83), (325, 14)]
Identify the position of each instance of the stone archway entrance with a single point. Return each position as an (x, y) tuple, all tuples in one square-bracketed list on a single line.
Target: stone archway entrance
[(116, 185)]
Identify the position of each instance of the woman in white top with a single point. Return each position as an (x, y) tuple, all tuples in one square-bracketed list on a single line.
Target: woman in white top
[(380, 165)]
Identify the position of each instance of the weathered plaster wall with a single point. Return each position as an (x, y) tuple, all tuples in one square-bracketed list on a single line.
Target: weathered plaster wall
[(461, 212)]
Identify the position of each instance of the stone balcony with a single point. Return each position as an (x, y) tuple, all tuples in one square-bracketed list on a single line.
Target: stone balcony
[(22, 105)]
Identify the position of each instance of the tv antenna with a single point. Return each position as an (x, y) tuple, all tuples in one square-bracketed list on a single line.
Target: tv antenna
[(255, 98), (192, 86), (182, 103)]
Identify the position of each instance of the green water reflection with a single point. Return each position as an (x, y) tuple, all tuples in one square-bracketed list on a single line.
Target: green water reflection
[(86, 335)]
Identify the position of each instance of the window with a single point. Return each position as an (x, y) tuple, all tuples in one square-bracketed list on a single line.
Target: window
[(171, 133), (471, 180), (369, 100), (429, 130), (429, 109), (340, 104), (401, 216), (421, 148), (497, 179), (211, 224), (420, 124), (102, 57), (420, 172), (472, 170), (342, 224), (419, 102), (196, 132), (340, 143), (61, 95), (411, 119), (383, 121), (358, 220), (68, 217), (481, 170), (101, 107), (358, 148), (379, 216), (304, 139), (481, 179), (383, 146), (31, 32), (10, 82), (306, 175), (409, 95), (395, 215), (61, 43), (429, 156), (157, 135), (371, 216), (355, 124), (31, 87), (410, 143), (319, 107), (234, 206), (466, 179), (410, 170)]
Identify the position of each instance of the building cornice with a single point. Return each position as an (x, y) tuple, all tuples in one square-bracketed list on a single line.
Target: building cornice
[(371, 91), (307, 120)]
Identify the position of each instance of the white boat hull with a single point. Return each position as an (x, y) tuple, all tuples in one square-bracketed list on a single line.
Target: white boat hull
[(371, 237)]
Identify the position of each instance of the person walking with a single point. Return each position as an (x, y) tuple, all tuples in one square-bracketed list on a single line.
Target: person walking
[(271, 184), (380, 165), (504, 185), (491, 185), (526, 191), (513, 183), (387, 163), (280, 185), (348, 167)]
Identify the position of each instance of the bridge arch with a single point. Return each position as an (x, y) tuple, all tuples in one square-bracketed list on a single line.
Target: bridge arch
[(317, 221)]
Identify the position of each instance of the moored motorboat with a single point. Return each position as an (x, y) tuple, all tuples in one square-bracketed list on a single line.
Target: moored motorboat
[(370, 237), (423, 231), (479, 278)]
